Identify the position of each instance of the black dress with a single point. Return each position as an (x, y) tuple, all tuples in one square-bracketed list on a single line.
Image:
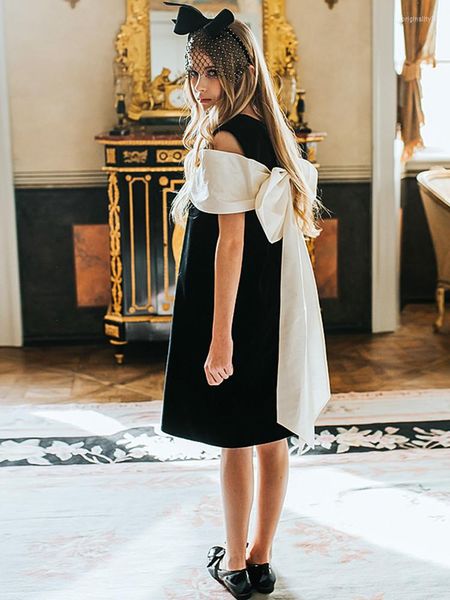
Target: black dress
[(241, 411)]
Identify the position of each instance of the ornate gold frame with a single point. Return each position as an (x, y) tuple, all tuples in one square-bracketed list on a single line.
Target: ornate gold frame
[(133, 52)]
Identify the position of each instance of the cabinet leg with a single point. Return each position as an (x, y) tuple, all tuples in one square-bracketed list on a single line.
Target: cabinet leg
[(440, 304), (118, 355)]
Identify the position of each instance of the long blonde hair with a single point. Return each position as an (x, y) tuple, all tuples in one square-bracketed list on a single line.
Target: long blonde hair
[(258, 89)]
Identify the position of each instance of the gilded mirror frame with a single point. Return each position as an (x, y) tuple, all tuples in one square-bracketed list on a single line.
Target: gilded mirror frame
[(133, 53)]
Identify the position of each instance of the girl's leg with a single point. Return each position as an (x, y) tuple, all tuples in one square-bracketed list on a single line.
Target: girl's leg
[(236, 471), (273, 473)]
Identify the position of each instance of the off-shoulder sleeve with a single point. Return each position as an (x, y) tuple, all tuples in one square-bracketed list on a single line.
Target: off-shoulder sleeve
[(226, 182), (310, 176)]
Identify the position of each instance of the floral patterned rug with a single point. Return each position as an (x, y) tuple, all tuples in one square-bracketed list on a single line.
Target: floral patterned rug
[(145, 445), (370, 525), (71, 434)]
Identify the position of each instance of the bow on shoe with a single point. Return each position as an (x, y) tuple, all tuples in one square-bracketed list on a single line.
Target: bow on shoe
[(215, 554), (190, 19)]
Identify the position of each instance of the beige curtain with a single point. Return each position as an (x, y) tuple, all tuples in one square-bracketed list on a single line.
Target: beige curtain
[(419, 28)]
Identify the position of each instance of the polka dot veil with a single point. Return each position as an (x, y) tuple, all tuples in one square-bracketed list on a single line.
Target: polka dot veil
[(212, 49)]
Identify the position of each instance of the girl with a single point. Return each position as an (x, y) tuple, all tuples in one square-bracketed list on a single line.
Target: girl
[(246, 362)]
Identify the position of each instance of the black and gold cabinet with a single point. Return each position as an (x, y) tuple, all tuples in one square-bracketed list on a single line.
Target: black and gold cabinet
[(144, 173)]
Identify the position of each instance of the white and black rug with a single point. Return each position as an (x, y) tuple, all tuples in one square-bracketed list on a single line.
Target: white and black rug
[(133, 513), (72, 434)]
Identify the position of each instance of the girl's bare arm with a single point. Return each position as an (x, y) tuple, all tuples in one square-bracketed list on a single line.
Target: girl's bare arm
[(228, 263)]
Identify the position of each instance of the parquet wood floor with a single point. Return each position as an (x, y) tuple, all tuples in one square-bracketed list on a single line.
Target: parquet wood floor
[(411, 358)]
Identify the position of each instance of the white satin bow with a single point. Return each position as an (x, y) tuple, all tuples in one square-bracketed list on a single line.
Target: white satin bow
[(228, 183)]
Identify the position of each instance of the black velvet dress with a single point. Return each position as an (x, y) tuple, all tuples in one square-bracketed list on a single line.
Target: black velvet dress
[(241, 411)]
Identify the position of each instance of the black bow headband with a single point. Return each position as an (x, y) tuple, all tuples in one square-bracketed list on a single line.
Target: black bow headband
[(190, 19)]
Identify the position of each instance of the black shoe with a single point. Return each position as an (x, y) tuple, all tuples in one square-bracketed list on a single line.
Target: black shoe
[(262, 577), (237, 582)]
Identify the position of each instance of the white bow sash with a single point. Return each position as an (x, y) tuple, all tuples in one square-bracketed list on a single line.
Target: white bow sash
[(225, 183)]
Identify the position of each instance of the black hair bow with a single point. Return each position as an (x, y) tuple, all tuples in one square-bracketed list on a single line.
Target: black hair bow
[(190, 19)]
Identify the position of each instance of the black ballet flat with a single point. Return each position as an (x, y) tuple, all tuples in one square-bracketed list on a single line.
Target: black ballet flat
[(262, 577), (237, 582)]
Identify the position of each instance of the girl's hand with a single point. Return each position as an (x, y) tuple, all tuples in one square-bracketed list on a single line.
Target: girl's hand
[(218, 365)]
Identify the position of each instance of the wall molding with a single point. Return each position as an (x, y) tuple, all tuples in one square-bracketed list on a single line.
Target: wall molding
[(11, 333), (97, 178), (60, 179), (386, 173), (345, 173)]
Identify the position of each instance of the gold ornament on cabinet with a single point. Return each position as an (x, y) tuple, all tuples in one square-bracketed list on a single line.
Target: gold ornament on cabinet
[(162, 95), (166, 94)]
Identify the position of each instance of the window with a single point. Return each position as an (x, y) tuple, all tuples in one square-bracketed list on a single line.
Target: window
[(435, 81)]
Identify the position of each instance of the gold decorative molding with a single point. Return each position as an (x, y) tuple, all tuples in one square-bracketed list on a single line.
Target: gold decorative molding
[(111, 155), (177, 238), (279, 39), (177, 246), (138, 142), (112, 330), (114, 245), (139, 319), (311, 245), (133, 52), (131, 182), (170, 156), (142, 169), (135, 156)]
